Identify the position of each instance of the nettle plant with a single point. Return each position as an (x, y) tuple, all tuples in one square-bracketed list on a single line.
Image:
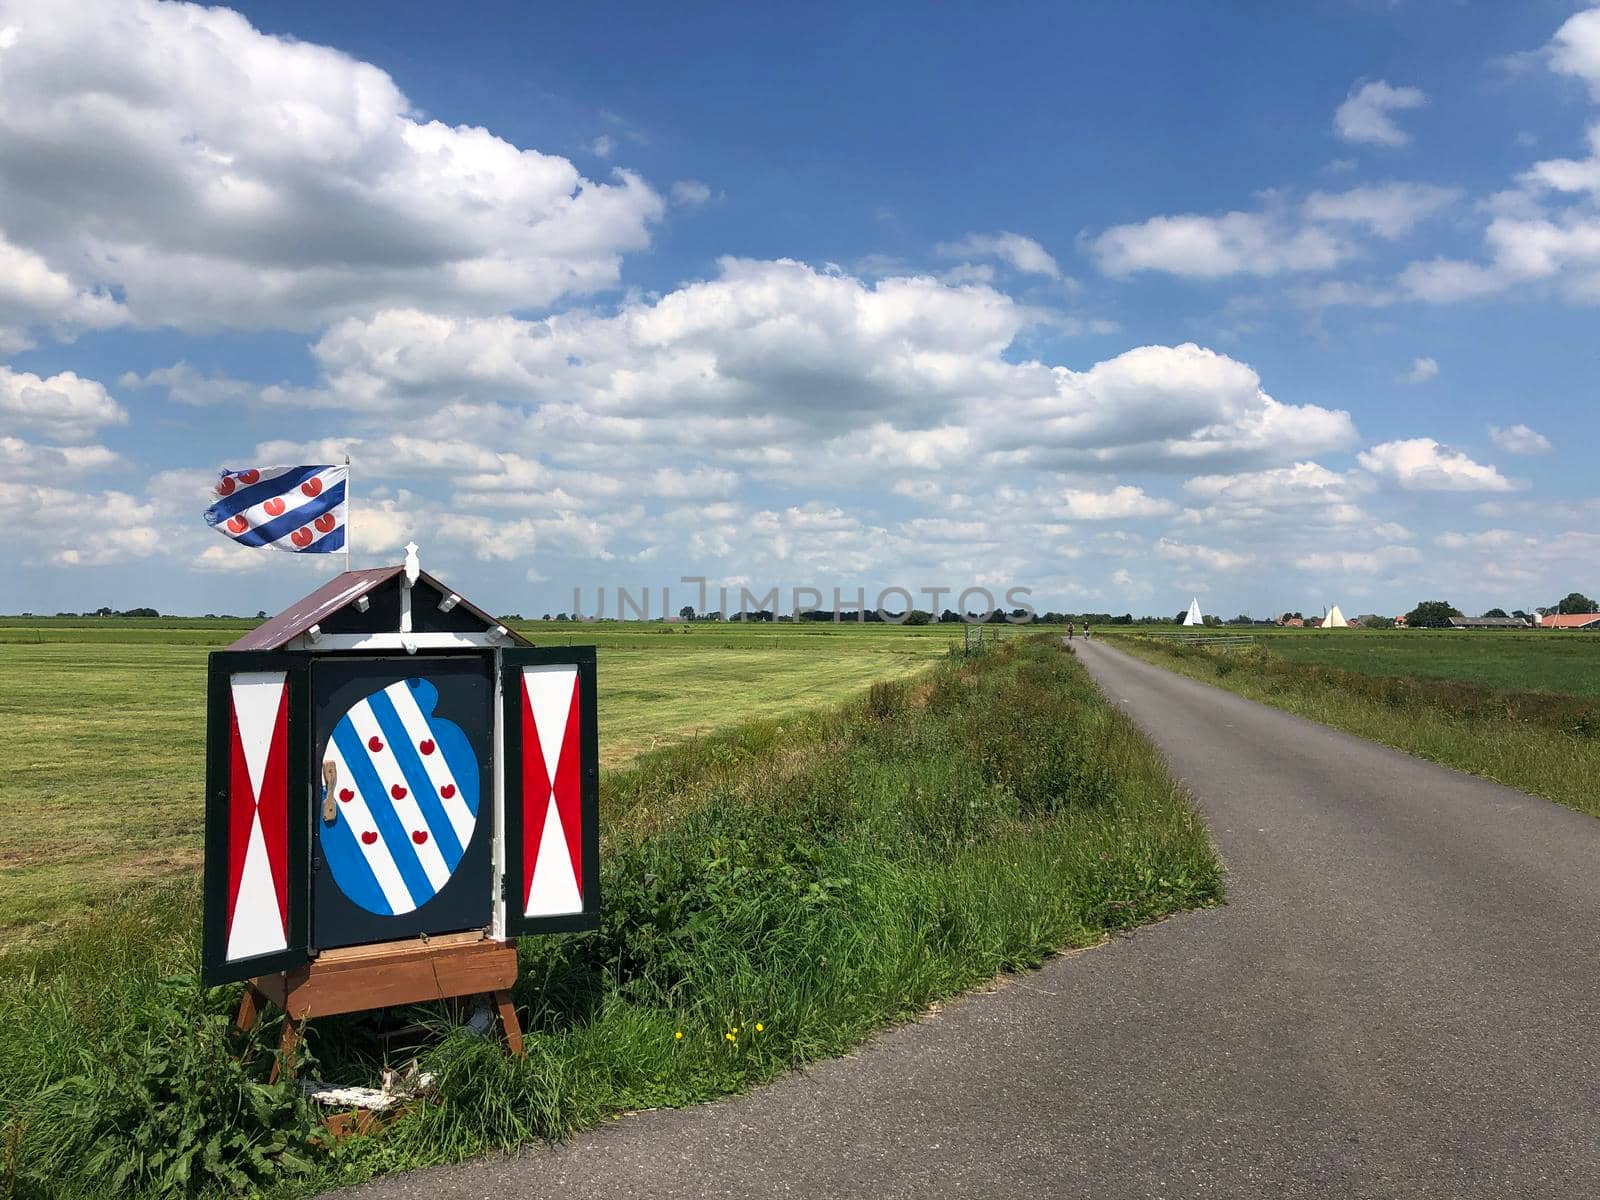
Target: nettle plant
[(177, 1105)]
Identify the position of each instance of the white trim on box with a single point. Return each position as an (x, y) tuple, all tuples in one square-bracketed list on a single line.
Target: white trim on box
[(409, 642), (497, 928)]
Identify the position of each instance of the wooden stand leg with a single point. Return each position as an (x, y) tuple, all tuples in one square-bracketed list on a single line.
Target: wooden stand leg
[(286, 1049), (509, 1022), (249, 1009)]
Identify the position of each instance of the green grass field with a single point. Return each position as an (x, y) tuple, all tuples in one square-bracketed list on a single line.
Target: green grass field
[(1519, 708), (1536, 660), (103, 759)]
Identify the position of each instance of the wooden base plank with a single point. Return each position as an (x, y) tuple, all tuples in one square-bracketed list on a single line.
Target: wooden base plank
[(361, 978), (413, 974)]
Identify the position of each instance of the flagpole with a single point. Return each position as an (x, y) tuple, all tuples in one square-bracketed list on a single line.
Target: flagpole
[(349, 512)]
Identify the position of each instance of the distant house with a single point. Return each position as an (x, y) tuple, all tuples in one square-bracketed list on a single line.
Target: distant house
[(1312, 623), (1292, 623), (1400, 622), (1492, 622), (1569, 621)]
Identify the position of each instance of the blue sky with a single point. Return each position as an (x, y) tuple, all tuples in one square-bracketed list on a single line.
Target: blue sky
[(1280, 307)]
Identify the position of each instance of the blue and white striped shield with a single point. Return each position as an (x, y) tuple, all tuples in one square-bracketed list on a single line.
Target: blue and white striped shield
[(406, 789)]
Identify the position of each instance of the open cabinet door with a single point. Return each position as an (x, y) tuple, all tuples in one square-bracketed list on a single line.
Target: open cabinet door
[(552, 790), (258, 796)]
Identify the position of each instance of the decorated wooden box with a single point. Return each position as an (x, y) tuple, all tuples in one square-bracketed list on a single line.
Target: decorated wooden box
[(385, 762)]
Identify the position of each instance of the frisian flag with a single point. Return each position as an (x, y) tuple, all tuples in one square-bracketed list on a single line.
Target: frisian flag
[(298, 509)]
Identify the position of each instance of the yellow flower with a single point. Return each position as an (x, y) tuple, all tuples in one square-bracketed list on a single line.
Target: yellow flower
[(760, 1027), (678, 1036), (730, 1037)]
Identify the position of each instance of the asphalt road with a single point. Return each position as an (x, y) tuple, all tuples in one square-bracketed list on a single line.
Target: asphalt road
[(1400, 999)]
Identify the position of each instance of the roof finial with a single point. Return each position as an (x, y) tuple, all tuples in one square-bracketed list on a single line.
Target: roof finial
[(413, 567)]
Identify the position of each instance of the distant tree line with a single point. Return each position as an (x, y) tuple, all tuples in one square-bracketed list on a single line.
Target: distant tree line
[(1436, 614), (112, 612), (261, 614), (916, 616)]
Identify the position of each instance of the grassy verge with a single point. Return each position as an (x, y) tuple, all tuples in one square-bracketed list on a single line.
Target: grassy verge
[(774, 893), (1540, 742)]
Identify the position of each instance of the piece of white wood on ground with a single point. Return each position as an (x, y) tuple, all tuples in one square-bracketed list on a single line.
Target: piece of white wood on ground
[(399, 1087)]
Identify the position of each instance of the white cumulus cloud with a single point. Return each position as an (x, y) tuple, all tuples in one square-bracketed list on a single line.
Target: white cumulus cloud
[(1022, 253), (1168, 405), (1567, 174), (1280, 497), (1217, 558), (1314, 235), (1423, 465), (1388, 210), (1422, 370), (1522, 250), (1544, 232), (216, 175), (1575, 49), (1236, 243), (20, 459), (64, 406), (67, 526), (1120, 503), (1519, 439), (690, 193), (780, 370), (1365, 114), (1359, 562)]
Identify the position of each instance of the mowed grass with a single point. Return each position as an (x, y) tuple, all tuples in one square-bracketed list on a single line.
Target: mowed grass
[(662, 684), (102, 764), (1438, 694)]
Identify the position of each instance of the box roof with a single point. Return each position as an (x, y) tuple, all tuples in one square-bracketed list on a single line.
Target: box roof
[(338, 594)]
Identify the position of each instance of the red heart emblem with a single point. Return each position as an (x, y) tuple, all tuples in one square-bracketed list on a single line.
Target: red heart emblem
[(374, 744), (301, 537), (448, 790), (426, 745), (311, 486), (346, 795), (324, 523), (419, 836), (369, 837), (238, 524), (274, 507), (398, 792), (250, 476), (225, 488)]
